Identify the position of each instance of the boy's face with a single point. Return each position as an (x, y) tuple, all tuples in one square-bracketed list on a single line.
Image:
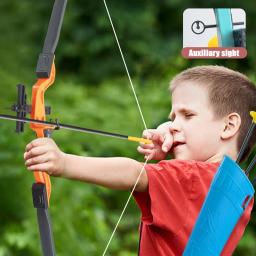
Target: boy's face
[(195, 130)]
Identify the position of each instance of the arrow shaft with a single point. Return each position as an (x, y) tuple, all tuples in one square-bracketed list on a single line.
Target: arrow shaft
[(56, 125)]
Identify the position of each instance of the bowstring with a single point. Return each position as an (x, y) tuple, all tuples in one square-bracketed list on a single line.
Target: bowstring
[(125, 206), (126, 68), (143, 120)]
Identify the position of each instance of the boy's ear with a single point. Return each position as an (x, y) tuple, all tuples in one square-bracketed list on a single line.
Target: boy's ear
[(232, 123)]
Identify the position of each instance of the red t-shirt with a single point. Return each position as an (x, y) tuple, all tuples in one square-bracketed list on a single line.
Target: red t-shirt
[(170, 207)]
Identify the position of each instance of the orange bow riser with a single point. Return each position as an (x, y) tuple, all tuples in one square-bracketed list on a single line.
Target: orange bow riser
[(38, 113)]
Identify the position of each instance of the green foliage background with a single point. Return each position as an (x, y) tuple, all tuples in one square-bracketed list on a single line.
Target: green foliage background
[(92, 90)]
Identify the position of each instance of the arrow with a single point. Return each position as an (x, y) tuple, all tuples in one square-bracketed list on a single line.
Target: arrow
[(57, 126), (247, 137)]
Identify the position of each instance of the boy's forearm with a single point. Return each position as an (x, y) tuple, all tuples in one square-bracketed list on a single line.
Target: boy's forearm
[(113, 172)]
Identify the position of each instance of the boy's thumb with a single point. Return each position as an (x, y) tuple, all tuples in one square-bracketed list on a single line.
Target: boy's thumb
[(168, 141)]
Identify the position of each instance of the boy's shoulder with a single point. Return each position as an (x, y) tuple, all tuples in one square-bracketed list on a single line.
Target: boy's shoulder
[(187, 164), (181, 168), (184, 176)]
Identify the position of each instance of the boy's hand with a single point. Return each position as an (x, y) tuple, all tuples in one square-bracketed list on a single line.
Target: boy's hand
[(44, 155), (162, 142)]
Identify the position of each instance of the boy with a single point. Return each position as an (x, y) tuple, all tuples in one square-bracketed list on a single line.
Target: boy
[(209, 118)]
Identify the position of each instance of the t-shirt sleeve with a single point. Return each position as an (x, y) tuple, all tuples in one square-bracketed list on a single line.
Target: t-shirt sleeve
[(165, 203)]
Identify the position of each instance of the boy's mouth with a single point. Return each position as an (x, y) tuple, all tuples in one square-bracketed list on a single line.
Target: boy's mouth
[(177, 143)]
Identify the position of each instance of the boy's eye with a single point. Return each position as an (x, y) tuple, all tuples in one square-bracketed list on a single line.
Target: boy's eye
[(188, 115)]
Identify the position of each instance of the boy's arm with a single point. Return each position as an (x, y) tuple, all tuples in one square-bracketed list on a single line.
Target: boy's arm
[(113, 172)]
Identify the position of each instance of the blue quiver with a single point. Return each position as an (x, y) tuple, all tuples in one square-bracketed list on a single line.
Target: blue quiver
[(229, 194)]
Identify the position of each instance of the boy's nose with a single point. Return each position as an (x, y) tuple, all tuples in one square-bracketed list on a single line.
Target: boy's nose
[(174, 126)]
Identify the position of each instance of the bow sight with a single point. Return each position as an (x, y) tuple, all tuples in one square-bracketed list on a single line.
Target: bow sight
[(22, 108), (227, 35)]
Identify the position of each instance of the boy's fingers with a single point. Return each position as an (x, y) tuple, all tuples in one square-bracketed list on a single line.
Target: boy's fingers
[(146, 146), (156, 137), (37, 142), (150, 132), (147, 133), (44, 167), (37, 160), (33, 143), (168, 141), (144, 151), (35, 151)]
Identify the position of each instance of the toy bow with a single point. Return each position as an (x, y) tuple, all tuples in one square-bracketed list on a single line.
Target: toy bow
[(45, 72)]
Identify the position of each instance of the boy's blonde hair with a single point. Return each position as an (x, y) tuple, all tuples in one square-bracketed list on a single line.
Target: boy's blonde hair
[(229, 91)]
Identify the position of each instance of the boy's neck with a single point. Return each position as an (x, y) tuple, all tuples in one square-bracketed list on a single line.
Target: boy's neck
[(219, 157)]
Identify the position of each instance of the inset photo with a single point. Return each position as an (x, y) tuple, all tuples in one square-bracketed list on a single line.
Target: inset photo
[(214, 33)]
